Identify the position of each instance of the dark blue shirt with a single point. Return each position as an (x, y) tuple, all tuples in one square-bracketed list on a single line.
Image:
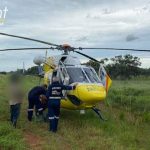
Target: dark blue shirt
[(37, 91), (55, 90)]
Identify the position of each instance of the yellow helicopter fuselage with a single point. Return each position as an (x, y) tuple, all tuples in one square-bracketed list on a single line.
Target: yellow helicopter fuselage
[(88, 95), (84, 96)]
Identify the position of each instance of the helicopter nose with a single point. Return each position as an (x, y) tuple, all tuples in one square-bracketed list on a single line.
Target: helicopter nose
[(91, 92)]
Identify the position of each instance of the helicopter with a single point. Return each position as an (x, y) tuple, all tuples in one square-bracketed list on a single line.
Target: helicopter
[(92, 87)]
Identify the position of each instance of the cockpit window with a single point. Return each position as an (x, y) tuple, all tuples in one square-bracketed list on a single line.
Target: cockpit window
[(91, 74), (76, 75), (84, 75)]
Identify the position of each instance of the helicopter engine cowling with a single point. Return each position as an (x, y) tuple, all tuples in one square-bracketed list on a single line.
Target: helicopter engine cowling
[(38, 60)]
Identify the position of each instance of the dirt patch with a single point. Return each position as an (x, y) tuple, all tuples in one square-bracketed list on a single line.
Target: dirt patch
[(35, 142)]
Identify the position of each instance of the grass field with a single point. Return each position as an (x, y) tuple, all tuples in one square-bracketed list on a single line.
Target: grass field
[(127, 109)]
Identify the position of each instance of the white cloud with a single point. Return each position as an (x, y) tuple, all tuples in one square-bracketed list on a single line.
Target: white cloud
[(98, 23)]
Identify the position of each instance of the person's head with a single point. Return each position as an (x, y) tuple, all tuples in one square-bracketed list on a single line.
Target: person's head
[(43, 99), (15, 78)]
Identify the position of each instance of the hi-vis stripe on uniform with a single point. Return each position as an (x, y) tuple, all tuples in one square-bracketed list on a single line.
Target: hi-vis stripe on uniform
[(50, 118), (40, 109), (54, 97), (56, 117), (30, 109), (106, 81), (56, 88)]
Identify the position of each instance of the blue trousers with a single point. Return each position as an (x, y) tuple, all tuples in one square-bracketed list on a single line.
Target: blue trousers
[(34, 102), (14, 113), (53, 113)]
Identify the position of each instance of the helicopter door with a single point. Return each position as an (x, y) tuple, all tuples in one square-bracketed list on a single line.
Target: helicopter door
[(105, 79), (64, 78), (63, 73)]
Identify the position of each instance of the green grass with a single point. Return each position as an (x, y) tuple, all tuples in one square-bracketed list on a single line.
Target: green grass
[(128, 127)]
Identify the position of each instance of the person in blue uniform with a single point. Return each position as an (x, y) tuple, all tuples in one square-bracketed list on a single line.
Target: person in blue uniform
[(54, 95), (37, 98)]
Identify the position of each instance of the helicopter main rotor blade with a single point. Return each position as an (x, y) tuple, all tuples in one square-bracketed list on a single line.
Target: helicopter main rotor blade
[(22, 49), (30, 39), (117, 49), (87, 56)]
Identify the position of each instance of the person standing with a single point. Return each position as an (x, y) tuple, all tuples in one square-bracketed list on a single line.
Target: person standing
[(37, 99), (16, 98), (54, 95)]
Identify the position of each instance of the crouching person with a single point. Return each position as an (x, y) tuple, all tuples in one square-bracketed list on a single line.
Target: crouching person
[(54, 95), (16, 98), (37, 100)]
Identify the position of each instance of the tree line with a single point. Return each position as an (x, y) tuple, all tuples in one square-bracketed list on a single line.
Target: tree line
[(121, 67), (118, 67)]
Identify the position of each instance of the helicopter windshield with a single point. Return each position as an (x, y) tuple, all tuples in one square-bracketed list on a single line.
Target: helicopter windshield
[(91, 74), (85, 75), (76, 75)]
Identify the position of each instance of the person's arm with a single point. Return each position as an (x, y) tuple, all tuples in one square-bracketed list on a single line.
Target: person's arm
[(67, 87)]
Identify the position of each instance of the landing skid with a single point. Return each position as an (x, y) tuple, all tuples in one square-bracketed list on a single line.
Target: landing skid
[(99, 113)]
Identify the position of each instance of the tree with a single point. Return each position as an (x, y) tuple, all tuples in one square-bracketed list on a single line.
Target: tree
[(96, 65), (124, 66), (32, 71), (120, 66)]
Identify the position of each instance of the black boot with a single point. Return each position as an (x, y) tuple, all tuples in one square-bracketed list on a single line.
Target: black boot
[(52, 125), (56, 125)]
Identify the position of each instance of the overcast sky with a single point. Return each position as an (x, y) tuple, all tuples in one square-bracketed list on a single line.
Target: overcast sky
[(98, 23)]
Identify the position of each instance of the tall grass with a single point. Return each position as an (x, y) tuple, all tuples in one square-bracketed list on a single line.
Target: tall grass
[(132, 95), (127, 109)]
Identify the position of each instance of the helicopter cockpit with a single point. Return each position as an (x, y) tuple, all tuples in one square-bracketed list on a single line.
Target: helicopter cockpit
[(70, 71), (82, 74)]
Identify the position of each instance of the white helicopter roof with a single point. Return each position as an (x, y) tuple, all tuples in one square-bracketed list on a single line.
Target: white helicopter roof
[(66, 59)]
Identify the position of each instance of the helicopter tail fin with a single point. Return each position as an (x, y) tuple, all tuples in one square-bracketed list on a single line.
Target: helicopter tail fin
[(106, 80)]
